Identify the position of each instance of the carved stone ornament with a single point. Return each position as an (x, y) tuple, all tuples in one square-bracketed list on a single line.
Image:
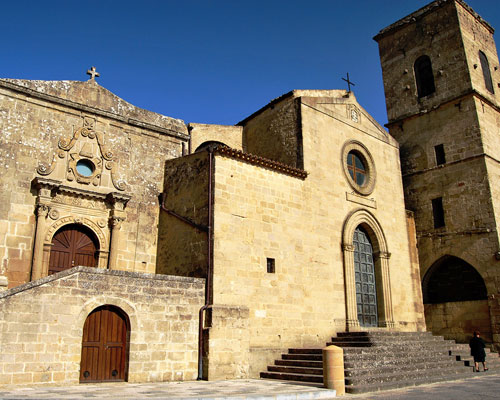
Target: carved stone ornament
[(53, 214), (86, 161)]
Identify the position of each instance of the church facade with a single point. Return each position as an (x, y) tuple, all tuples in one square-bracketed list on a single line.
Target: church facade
[(136, 247)]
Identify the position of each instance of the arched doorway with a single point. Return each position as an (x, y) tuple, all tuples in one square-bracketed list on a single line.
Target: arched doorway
[(73, 245), (364, 275), (105, 346)]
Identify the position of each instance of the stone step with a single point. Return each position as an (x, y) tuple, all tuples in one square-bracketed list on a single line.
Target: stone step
[(299, 363), (406, 375), (417, 363), (402, 383), (292, 377), (398, 345), (311, 357), (386, 334), (364, 370), (383, 360), (305, 351), (296, 370)]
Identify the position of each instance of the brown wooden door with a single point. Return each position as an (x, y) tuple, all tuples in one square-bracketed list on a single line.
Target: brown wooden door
[(71, 246), (104, 346)]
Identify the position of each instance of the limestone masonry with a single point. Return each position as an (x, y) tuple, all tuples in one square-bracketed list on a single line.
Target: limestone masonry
[(136, 247)]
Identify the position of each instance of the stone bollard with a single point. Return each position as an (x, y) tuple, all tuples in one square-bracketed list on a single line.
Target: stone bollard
[(333, 369), (4, 282)]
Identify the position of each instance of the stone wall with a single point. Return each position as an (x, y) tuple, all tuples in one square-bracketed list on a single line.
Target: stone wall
[(38, 121), (41, 325), (229, 135), (274, 132), (182, 231), (458, 320)]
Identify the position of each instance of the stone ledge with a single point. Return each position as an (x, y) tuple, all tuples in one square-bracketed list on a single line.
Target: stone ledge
[(98, 271)]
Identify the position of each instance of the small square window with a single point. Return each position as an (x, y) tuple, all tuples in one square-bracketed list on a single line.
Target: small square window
[(438, 212), (271, 266), (440, 157)]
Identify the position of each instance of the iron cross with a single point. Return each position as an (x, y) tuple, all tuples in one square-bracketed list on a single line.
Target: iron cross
[(93, 73), (349, 83)]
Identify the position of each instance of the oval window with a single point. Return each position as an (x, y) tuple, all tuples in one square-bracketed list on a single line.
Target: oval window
[(356, 168), (85, 168)]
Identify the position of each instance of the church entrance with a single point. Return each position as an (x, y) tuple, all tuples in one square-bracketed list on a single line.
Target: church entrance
[(104, 346), (364, 270), (73, 245)]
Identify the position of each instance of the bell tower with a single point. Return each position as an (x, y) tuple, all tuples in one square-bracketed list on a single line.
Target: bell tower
[(442, 89)]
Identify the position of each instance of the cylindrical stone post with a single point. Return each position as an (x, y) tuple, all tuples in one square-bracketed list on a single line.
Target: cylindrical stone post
[(333, 369)]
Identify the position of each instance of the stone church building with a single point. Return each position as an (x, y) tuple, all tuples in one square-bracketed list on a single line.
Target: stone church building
[(137, 247)]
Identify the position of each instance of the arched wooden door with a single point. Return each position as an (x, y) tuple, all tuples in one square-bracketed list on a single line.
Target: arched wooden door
[(72, 245), (104, 346), (364, 270)]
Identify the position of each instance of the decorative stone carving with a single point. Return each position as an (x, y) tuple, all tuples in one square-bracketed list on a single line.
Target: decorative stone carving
[(54, 214), (42, 210), (87, 161)]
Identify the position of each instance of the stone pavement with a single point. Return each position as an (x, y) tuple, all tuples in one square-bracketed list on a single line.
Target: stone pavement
[(479, 387)]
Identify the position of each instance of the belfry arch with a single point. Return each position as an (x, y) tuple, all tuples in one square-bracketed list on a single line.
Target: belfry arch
[(368, 224)]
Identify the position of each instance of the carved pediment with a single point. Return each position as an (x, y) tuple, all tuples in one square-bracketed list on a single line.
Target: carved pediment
[(83, 158)]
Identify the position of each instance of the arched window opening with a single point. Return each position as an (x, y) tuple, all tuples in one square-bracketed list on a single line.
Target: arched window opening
[(105, 340), (452, 279), (210, 143), (364, 273), (424, 76), (73, 245), (485, 66)]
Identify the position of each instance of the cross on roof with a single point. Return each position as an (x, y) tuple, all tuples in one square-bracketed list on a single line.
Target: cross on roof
[(349, 83), (93, 73)]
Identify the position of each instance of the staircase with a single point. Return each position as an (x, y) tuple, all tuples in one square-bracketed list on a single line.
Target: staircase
[(383, 360)]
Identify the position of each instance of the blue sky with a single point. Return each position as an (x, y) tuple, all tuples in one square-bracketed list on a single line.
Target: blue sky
[(206, 61)]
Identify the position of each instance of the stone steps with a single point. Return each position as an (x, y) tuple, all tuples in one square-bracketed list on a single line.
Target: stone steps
[(382, 360)]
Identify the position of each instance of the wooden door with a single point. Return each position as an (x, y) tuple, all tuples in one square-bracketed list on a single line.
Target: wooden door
[(364, 270), (104, 346), (71, 246)]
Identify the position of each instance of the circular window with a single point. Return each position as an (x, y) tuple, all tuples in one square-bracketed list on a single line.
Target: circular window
[(359, 168), (356, 168), (85, 167)]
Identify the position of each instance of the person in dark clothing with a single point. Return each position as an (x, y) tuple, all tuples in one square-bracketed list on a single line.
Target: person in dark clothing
[(477, 346)]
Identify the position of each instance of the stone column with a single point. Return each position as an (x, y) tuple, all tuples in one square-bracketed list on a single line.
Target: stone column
[(352, 321), (115, 224), (388, 320), (41, 222)]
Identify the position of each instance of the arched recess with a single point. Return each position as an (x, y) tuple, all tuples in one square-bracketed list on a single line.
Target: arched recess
[(452, 279), (365, 220), (105, 345), (456, 300), (61, 223), (207, 144), (424, 77)]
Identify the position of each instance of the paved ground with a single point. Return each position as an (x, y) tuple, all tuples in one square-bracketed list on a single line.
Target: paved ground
[(479, 387)]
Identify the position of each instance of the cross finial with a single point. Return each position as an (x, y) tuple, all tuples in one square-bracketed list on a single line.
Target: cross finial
[(93, 73), (349, 83)]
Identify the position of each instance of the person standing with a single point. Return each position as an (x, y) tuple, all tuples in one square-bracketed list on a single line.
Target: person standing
[(477, 346)]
